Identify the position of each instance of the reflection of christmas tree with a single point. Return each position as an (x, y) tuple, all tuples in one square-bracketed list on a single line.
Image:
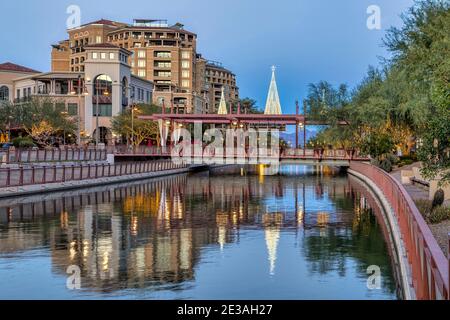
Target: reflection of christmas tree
[(272, 226)]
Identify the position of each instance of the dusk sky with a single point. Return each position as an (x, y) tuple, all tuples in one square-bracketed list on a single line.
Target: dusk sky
[(307, 40)]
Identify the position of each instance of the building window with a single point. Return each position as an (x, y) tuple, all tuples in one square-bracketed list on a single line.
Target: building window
[(163, 54), (163, 65), (94, 55), (60, 107), (185, 74), (142, 54), (103, 55), (141, 64), (4, 93), (98, 39), (104, 110), (185, 83), (148, 97), (164, 74), (185, 64), (72, 109), (111, 56), (142, 73), (185, 55)]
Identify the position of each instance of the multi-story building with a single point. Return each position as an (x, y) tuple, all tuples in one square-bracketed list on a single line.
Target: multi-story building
[(218, 78), (162, 53), (8, 73), (93, 96)]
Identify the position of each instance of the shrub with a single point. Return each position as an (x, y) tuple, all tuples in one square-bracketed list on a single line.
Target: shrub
[(439, 198), (393, 158), (424, 207), (23, 142), (386, 165), (439, 214)]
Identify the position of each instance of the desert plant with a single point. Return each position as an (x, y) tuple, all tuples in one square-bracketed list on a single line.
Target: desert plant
[(439, 214), (424, 207), (23, 142), (392, 158), (386, 165), (439, 198)]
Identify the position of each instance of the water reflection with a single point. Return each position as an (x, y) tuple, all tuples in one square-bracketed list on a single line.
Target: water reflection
[(198, 236)]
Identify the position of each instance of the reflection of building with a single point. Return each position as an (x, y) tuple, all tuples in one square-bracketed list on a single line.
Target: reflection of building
[(104, 88), (152, 234)]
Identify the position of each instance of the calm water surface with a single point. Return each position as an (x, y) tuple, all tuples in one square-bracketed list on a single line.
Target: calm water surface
[(202, 236)]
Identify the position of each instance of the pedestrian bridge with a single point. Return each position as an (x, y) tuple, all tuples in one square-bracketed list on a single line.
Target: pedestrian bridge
[(337, 157)]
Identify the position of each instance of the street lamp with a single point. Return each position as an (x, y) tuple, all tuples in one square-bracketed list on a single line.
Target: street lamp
[(133, 110), (64, 114), (80, 92)]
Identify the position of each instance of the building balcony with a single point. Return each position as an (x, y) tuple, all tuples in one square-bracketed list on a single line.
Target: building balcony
[(22, 100)]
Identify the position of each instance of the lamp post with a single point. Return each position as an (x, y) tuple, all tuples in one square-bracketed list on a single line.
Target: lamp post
[(64, 114), (80, 92), (131, 93)]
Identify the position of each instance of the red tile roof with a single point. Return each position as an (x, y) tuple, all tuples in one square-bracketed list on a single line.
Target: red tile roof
[(8, 66), (103, 21)]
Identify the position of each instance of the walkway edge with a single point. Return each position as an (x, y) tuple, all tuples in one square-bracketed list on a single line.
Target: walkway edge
[(405, 272), (63, 186)]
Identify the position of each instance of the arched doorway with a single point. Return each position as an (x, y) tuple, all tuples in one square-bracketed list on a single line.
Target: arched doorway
[(4, 93), (105, 135)]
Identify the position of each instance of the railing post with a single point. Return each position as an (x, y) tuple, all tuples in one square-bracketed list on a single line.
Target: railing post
[(73, 172), (21, 177), (81, 171), (54, 174), (8, 177), (32, 175), (64, 174), (44, 175)]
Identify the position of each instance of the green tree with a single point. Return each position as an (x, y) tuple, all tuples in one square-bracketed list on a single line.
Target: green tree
[(134, 129)]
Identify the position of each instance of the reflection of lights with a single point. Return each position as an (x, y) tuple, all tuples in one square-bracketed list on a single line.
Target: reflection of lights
[(323, 218), (300, 215), (64, 218), (105, 264), (72, 251), (134, 225), (86, 248)]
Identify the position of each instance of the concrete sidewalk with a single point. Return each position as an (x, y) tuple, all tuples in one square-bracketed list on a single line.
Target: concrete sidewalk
[(51, 187)]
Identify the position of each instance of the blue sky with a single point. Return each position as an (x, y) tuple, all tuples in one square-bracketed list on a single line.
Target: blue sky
[(308, 40)]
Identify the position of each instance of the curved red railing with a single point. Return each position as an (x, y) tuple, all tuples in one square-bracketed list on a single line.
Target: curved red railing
[(429, 266)]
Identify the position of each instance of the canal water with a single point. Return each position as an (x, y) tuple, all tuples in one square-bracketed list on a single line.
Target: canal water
[(226, 234)]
